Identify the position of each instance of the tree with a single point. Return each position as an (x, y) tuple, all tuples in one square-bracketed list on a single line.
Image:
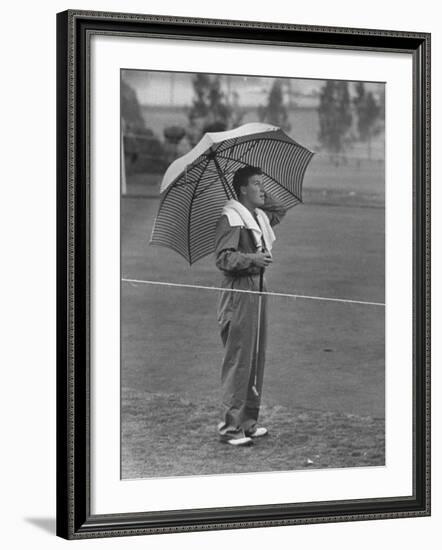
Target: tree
[(131, 108), (143, 151), (369, 114), (335, 116), (210, 109), (275, 111), (237, 112)]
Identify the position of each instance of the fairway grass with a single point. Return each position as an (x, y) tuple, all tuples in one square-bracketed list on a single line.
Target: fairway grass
[(168, 435)]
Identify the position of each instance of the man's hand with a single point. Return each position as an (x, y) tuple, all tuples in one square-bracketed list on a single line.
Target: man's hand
[(262, 259)]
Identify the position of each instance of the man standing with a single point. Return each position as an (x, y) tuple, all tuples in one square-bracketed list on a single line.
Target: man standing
[(243, 244)]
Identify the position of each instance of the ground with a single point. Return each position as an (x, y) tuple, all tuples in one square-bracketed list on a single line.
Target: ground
[(323, 398), (298, 438)]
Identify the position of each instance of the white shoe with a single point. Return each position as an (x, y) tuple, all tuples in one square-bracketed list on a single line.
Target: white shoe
[(239, 441), (259, 432)]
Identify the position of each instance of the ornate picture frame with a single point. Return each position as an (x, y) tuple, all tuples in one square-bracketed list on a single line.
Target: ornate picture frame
[(76, 518)]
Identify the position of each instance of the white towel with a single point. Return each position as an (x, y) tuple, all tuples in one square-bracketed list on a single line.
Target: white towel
[(239, 215)]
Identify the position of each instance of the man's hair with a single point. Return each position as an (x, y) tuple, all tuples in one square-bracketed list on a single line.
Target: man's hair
[(242, 175)]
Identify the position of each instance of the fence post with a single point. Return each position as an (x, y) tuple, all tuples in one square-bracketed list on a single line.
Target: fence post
[(123, 163)]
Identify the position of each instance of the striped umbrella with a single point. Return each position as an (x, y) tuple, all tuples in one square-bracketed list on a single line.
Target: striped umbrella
[(196, 186)]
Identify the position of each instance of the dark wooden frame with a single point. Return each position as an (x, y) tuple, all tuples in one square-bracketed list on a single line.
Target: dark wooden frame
[(74, 519)]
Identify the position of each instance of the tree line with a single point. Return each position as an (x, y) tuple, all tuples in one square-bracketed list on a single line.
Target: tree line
[(343, 118)]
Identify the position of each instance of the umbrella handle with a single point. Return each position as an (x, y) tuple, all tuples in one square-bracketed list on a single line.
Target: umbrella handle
[(261, 279)]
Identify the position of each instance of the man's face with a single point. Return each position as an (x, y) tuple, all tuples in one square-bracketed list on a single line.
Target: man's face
[(253, 192)]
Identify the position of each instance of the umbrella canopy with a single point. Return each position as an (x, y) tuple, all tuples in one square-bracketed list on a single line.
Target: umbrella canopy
[(196, 186)]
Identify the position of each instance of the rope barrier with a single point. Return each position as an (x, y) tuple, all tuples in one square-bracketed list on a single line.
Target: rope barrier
[(279, 294)]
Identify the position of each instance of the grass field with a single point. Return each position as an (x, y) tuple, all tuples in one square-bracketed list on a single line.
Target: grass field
[(325, 360)]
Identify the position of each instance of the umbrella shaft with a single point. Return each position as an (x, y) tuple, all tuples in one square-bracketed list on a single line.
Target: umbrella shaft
[(226, 185), (258, 334), (261, 279), (258, 331)]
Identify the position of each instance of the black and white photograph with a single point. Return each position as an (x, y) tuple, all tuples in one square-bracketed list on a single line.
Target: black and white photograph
[(222, 265), (252, 274), (243, 275)]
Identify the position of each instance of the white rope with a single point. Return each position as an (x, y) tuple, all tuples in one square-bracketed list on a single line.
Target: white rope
[(341, 300)]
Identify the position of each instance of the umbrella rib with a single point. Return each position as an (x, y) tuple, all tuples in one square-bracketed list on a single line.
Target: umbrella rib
[(231, 160), (159, 211), (272, 140), (252, 146), (227, 187), (273, 179), (256, 138), (190, 209)]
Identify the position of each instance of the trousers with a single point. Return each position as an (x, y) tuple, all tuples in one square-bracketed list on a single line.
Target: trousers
[(242, 317)]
